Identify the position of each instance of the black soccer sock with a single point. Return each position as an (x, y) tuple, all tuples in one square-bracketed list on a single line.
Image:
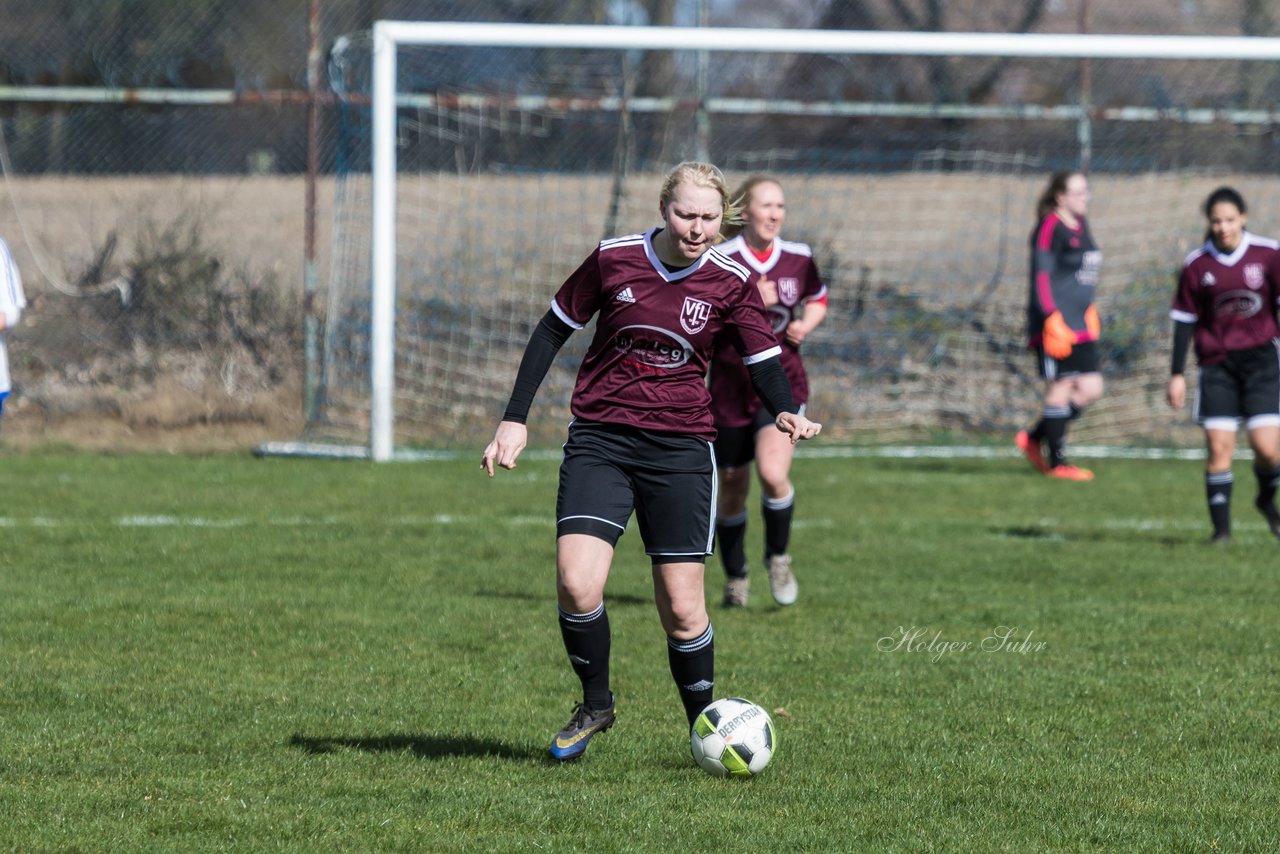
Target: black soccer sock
[(1076, 412), (586, 640), (1268, 480), (693, 667), (1217, 488), (1036, 433), (1055, 420), (731, 533), (777, 513)]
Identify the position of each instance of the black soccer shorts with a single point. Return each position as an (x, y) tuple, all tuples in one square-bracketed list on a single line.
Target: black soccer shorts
[(1083, 360), (736, 446), (668, 479), (1244, 385)]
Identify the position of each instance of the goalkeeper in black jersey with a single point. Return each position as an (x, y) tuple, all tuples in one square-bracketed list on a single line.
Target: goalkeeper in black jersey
[(1062, 323)]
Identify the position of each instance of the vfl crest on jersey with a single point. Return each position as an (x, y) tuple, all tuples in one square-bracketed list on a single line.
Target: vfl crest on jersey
[(788, 290), (1208, 281), (694, 315), (1253, 276)]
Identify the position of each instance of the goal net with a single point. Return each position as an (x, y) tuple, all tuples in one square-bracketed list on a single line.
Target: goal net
[(479, 164)]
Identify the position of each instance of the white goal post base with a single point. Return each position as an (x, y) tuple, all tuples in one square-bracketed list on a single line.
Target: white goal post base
[(330, 451)]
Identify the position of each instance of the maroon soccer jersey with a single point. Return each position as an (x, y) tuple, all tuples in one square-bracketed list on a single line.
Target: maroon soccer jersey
[(734, 402), (1230, 298), (647, 364)]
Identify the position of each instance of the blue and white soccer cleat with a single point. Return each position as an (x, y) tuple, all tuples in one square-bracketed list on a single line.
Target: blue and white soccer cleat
[(571, 742)]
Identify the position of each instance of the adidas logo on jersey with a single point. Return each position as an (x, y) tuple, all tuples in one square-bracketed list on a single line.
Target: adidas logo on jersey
[(625, 295)]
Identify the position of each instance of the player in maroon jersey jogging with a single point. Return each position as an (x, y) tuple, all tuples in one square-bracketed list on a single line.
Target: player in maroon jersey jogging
[(1226, 304), (1062, 322), (793, 292), (641, 434)]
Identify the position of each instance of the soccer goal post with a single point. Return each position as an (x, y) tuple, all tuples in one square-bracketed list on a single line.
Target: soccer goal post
[(482, 162)]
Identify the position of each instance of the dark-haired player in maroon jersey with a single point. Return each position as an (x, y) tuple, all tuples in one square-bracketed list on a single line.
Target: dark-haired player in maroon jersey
[(641, 435), (796, 298), (1226, 304), (1062, 322)]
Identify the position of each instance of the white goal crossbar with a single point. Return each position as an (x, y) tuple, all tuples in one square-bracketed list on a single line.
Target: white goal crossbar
[(388, 36)]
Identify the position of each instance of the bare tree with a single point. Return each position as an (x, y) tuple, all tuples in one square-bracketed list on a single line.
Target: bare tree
[(941, 82), (1259, 77)]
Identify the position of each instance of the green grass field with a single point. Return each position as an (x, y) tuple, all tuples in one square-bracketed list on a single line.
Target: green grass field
[(225, 653)]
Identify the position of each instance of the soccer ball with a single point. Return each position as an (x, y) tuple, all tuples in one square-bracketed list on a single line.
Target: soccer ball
[(733, 737)]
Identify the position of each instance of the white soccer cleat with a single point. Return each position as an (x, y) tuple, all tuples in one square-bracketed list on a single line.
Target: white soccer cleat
[(782, 582), (736, 591)]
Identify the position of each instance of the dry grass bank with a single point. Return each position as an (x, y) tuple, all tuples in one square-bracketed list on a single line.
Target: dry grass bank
[(934, 243)]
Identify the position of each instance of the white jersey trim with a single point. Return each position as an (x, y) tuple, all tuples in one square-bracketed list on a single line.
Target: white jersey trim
[(713, 254), (661, 269), (568, 321), (618, 242), (718, 258), (738, 246), (1229, 260), (795, 247), (762, 355)]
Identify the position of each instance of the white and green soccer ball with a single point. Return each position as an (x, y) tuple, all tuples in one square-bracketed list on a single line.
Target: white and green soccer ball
[(733, 737)]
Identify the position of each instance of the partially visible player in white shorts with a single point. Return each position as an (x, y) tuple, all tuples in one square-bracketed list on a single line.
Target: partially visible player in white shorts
[(12, 301)]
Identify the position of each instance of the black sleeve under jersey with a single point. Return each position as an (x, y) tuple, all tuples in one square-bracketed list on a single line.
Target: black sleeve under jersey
[(545, 341), (1181, 344), (771, 383)]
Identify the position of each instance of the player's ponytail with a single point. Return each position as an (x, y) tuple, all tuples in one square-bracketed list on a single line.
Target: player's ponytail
[(1048, 201)]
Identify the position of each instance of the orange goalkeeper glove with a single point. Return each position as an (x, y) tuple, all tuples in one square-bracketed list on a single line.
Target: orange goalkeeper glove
[(1091, 322), (1058, 337)]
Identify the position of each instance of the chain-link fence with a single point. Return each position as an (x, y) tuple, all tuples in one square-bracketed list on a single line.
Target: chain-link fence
[(156, 196)]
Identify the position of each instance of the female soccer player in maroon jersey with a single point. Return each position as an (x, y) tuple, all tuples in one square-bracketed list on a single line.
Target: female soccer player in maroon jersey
[(1062, 322), (1226, 303), (642, 430), (796, 298)]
